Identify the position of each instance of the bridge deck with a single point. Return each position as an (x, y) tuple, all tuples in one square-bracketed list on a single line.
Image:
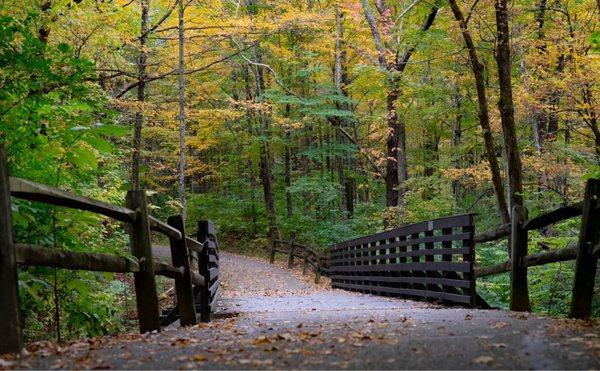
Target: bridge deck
[(271, 319)]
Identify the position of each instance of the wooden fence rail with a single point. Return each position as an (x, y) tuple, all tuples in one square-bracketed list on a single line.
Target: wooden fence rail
[(196, 291), (294, 250), (586, 252)]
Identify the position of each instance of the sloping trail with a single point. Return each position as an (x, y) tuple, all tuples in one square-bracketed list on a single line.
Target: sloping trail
[(269, 318)]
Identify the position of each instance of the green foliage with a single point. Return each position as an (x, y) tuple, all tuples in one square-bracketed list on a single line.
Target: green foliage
[(236, 215), (52, 113), (428, 198)]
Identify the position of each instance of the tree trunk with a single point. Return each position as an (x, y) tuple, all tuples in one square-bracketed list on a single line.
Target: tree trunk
[(340, 77), (265, 157), (182, 124), (287, 173), (506, 106), (456, 143), (253, 186), (484, 117), (266, 177), (44, 30), (431, 148), (350, 190), (592, 119), (288, 179), (392, 175), (396, 164), (141, 97)]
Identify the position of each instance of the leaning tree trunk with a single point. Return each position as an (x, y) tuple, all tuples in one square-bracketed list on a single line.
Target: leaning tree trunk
[(484, 116), (506, 106), (141, 97)]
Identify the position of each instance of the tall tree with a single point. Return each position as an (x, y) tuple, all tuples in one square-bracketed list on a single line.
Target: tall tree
[(265, 167), (141, 96), (340, 79), (506, 105), (484, 116)]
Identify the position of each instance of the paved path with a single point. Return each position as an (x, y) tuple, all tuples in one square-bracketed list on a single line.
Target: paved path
[(269, 318)]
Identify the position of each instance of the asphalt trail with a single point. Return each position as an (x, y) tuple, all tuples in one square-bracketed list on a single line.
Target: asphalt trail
[(271, 318)]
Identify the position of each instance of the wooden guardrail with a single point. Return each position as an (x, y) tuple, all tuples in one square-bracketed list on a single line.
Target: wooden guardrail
[(431, 260), (309, 256), (195, 290), (586, 252)]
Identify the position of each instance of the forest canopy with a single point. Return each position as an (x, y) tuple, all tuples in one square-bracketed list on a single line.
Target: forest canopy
[(331, 119)]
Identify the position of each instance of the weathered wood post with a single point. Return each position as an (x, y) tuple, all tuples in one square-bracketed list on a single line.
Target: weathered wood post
[(519, 290), (305, 264), (292, 247), (183, 285), (10, 321), (141, 248), (204, 231), (587, 252), (318, 270)]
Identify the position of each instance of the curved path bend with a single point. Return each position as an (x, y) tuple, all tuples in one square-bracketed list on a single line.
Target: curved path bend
[(271, 318)]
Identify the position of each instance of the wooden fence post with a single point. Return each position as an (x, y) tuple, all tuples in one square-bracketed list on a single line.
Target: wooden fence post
[(318, 270), (10, 323), (587, 255), (204, 228), (141, 248), (519, 291), (183, 286), (291, 255), (305, 264)]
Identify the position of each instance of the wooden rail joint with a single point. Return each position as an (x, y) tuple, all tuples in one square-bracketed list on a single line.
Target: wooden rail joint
[(586, 253)]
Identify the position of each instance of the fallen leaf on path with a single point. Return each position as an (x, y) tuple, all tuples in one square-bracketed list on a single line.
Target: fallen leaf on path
[(483, 360), (500, 324), (285, 336), (261, 340)]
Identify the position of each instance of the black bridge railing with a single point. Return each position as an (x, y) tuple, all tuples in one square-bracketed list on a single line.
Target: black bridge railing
[(431, 260)]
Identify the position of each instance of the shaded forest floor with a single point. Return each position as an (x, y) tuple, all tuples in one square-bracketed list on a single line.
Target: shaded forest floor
[(270, 318)]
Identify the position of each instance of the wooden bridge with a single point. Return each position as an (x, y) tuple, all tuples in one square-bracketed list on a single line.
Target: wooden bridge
[(432, 260), (435, 259)]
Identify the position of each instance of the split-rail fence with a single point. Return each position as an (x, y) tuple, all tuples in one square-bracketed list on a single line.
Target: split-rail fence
[(194, 262)]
